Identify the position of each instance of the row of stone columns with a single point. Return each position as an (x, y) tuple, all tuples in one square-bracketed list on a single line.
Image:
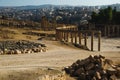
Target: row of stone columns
[(76, 37), (112, 31)]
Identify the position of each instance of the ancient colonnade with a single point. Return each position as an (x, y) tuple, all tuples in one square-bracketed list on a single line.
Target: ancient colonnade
[(112, 30), (74, 36)]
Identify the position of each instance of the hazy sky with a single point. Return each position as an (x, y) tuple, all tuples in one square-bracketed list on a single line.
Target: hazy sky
[(56, 2)]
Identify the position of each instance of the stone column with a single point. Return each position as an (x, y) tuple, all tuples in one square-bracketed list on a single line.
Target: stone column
[(105, 32), (75, 37), (64, 35), (85, 39), (67, 36), (71, 37), (99, 41), (108, 30), (56, 35), (118, 31), (60, 35), (80, 37), (92, 36), (113, 31)]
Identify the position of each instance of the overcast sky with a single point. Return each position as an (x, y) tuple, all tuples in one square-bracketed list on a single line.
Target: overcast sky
[(56, 2)]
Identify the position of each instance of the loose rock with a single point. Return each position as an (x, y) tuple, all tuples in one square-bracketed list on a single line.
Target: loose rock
[(94, 68), (20, 47)]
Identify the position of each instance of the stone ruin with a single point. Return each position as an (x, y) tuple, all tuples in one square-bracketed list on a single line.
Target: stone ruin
[(94, 68), (21, 47)]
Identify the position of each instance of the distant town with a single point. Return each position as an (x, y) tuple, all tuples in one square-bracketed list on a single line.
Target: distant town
[(61, 14)]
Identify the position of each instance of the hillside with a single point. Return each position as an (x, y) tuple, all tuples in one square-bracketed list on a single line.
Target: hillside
[(53, 6)]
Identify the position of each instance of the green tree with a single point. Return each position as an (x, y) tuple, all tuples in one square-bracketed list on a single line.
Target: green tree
[(105, 16), (94, 17), (109, 14)]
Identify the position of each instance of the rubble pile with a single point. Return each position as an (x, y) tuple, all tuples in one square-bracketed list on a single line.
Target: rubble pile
[(94, 68), (21, 46)]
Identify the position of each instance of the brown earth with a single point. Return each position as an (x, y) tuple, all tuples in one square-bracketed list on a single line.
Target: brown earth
[(57, 56)]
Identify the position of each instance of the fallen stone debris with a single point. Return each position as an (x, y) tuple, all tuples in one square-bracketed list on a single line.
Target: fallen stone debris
[(21, 47), (94, 68)]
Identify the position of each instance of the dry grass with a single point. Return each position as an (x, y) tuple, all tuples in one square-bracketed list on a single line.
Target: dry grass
[(6, 34), (29, 74), (17, 33)]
